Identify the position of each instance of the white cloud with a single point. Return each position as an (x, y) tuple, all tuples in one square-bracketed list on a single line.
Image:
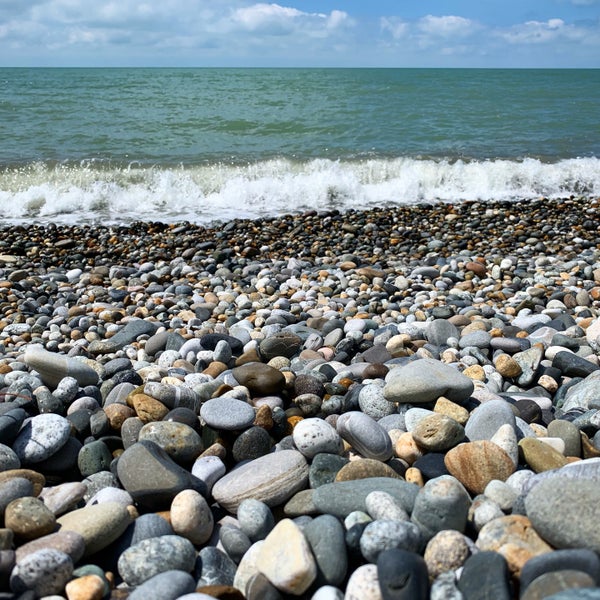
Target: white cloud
[(446, 26), (545, 32)]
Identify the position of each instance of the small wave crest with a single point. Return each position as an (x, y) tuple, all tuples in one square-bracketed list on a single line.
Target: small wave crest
[(92, 193)]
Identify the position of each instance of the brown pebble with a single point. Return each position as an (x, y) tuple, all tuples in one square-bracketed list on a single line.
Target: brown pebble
[(86, 587), (475, 464), (117, 414), (540, 456), (446, 407), (264, 417), (414, 475), (365, 468), (507, 366), (148, 409)]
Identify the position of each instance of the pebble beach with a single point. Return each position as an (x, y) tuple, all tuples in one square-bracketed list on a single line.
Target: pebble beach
[(364, 405)]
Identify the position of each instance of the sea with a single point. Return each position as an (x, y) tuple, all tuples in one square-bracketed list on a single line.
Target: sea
[(112, 146)]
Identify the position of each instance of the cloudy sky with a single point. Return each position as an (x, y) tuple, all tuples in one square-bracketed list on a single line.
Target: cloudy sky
[(347, 33)]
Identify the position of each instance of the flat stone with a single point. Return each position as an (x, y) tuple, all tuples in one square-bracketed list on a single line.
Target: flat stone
[(487, 418), (442, 503), (540, 456), (44, 572), (326, 537), (169, 585), (252, 443), (365, 468), (178, 440), (365, 435), (228, 414), (551, 504), (129, 333), (255, 518), (425, 380), (314, 436), (438, 433), (402, 575), (286, 560), (572, 365), (514, 537), (99, 525), (475, 464), (259, 378), (54, 367), (529, 361), (156, 555), (485, 572), (583, 394), (272, 479), (284, 343), (439, 330), (342, 498), (151, 476), (41, 437)]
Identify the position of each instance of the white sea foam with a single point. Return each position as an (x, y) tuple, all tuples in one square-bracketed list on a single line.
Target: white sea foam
[(202, 194)]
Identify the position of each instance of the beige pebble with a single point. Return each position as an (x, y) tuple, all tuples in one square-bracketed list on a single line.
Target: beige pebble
[(87, 587)]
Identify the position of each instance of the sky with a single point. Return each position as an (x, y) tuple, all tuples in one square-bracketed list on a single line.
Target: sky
[(301, 33)]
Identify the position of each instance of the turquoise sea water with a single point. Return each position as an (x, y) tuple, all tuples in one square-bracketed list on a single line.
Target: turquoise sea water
[(203, 144)]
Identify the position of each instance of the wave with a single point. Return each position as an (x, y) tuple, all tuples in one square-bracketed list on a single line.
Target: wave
[(94, 192)]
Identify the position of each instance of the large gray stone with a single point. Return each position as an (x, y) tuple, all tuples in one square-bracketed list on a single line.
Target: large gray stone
[(487, 418), (340, 498), (425, 380), (565, 512), (54, 367)]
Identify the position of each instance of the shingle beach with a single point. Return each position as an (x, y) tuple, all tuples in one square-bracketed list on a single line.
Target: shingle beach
[(384, 404)]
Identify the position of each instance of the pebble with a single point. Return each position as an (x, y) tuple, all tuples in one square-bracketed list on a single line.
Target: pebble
[(442, 503), (549, 506), (99, 525), (485, 572), (379, 536), (402, 575), (272, 479), (41, 437), (255, 518), (156, 555), (53, 367), (438, 433), (314, 436), (475, 464), (44, 572), (191, 517), (228, 414), (326, 538), (29, 518), (446, 551), (365, 435), (178, 440), (487, 418), (364, 584), (425, 381), (168, 585), (286, 560)]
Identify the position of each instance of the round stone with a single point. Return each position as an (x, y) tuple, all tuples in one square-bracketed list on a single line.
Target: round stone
[(255, 518), (156, 555), (438, 433), (191, 517), (227, 413), (40, 437), (259, 378), (252, 443), (365, 435), (44, 572), (29, 518), (178, 440), (446, 551), (314, 436), (385, 535)]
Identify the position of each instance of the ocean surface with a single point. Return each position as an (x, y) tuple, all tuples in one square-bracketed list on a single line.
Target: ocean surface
[(205, 145)]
